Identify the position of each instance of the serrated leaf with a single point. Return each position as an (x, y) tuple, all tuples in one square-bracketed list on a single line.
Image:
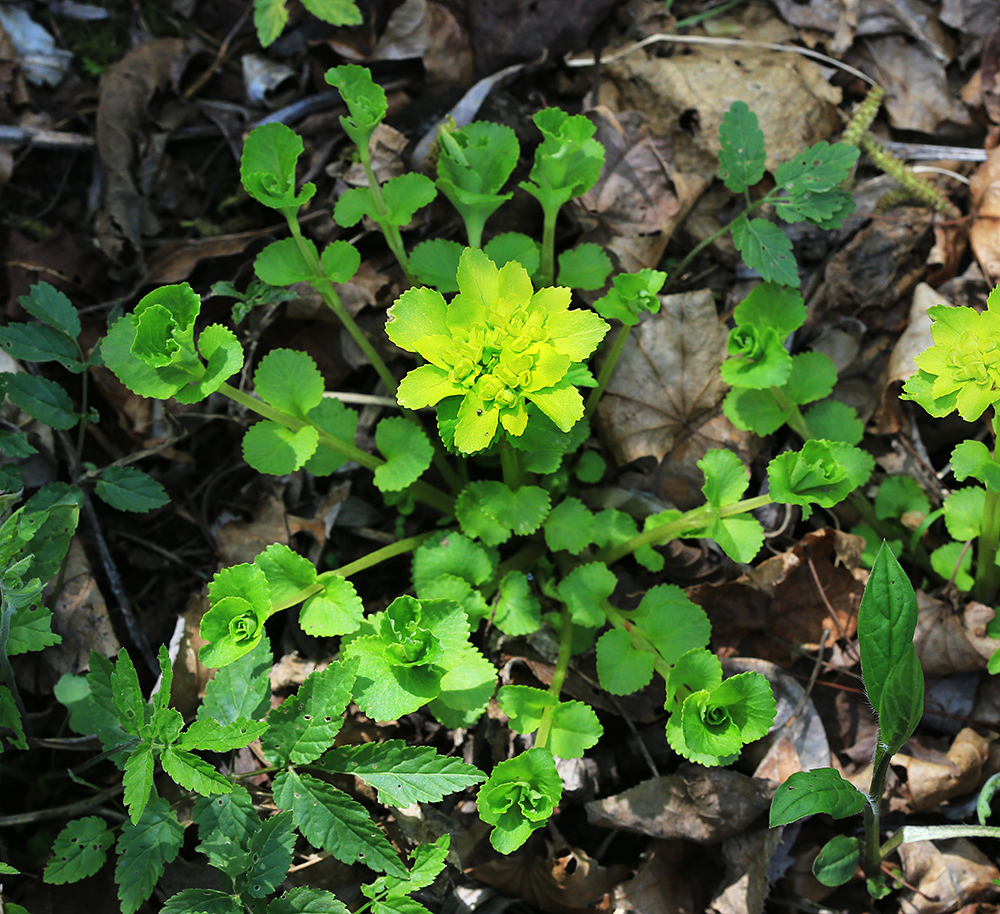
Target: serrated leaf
[(267, 165), (79, 851), (202, 901), (570, 526), (290, 381), (514, 246), (270, 852), (697, 670), (340, 261), (51, 307), (741, 148), (336, 12), (129, 489), (971, 458), (672, 622), (38, 343), (403, 774), (128, 699), (621, 668), (305, 900), (826, 209), (225, 825), (823, 790), (952, 561), (575, 728), (435, 263), (41, 399), (240, 689), (525, 706), (583, 591), (274, 449), (30, 630), (331, 820), (269, 18), (303, 727), (963, 513), (144, 849), (519, 796), (740, 536), (455, 554), (492, 511), (518, 611), (10, 718), (766, 249), (16, 445), (336, 610), (584, 267), (193, 773), (726, 478), (428, 861), (836, 421), (404, 195), (819, 168), (337, 420), (287, 573), (282, 263), (209, 735), (407, 451)]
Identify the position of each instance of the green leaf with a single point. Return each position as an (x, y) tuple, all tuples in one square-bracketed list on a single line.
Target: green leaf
[(741, 536), (332, 417), (696, 671), (455, 554), (287, 573), (202, 901), (428, 862), (38, 343), (336, 12), (435, 263), (458, 590), (407, 451), (826, 209), (331, 820), (575, 728), (290, 381), (953, 562), (726, 478), (16, 445), (518, 611), (403, 774), (41, 399), (224, 357), (138, 780), (274, 449), (336, 610), (303, 727), (583, 591), (492, 511), (972, 458), (79, 851), (986, 794), (519, 796), (30, 630), (282, 263), (267, 166), (590, 467), (821, 473), (240, 604), (963, 513), (806, 793), (365, 101), (672, 622), (902, 702), (128, 699), (144, 849), (209, 735), (241, 689), (48, 305), (887, 619), (10, 718), (517, 247), (621, 668), (340, 261), (715, 725), (631, 295), (741, 148), (193, 773), (817, 169), (404, 195), (225, 825), (525, 706), (306, 900), (269, 18), (7, 870), (837, 861), (270, 852), (584, 267), (571, 526), (754, 410), (477, 159), (836, 421), (813, 376), (129, 489), (766, 249)]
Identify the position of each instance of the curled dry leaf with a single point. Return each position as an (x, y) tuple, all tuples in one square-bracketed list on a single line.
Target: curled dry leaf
[(745, 883), (667, 383), (947, 642), (945, 875), (704, 805), (930, 782)]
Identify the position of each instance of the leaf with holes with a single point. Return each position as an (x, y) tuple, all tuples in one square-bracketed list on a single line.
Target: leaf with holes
[(79, 851), (144, 849)]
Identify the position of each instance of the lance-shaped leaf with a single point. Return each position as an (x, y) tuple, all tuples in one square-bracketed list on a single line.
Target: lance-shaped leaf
[(822, 790)]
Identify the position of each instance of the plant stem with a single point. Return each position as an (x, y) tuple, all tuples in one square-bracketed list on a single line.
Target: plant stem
[(400, 547), (607, 369), (510, 464), (678, 271), (793, 415), (391, 232), (547, 271), (422, 491), (872, 858), (687, 522), (558, 675), (987, 570), (333, 302), (6, 614)]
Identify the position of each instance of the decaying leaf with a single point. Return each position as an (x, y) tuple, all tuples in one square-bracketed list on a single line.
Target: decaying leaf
[(933, 781), (947, 642), (945, 875), (745, 883), (667, 383), (675, 878), (984, 236)]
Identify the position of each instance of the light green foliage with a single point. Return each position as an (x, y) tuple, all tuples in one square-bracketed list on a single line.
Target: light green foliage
[(822, 473), (271, 16), (402, 196), (518, 611), (570, 526), (366, 102), (407, 451), (726, 479), (497, 345), (301, 729), (959, 373), (973, 459), (408, 653), (567, 162), (79, 851), (234, 624), (435, 263), (574, 726), (584, 590), (756, 346), (508, 246), (953, 561), (807, 188), (630, 295), (428, 861), (491, 511), (257, 294), (267, 167), (402, 774), (584, 267), (518, 797)]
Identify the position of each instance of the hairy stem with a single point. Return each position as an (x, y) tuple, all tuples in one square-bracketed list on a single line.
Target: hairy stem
[(872, 857)]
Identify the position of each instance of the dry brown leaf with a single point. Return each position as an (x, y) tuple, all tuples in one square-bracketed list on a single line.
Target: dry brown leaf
[(430, 32), (673, 879), (931, 782), (704, 805), (666, 384), (984, 235), (745, 883), (948, 643), (570, 881), (946, 875), (176, 261)]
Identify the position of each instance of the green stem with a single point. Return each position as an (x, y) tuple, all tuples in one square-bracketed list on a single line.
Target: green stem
[(987, 570), (677, 272), (793, 415), (6, 614), (607, 369), (639, 641), (908, 834), (391, 232), (547, 272), (333, 302), (690, 520), (400, 547), (422, 491), (872, 860), (510, 464), (558, 675)]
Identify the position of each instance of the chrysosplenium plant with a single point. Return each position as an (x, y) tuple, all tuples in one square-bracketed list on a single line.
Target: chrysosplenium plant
[(516, 548)]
